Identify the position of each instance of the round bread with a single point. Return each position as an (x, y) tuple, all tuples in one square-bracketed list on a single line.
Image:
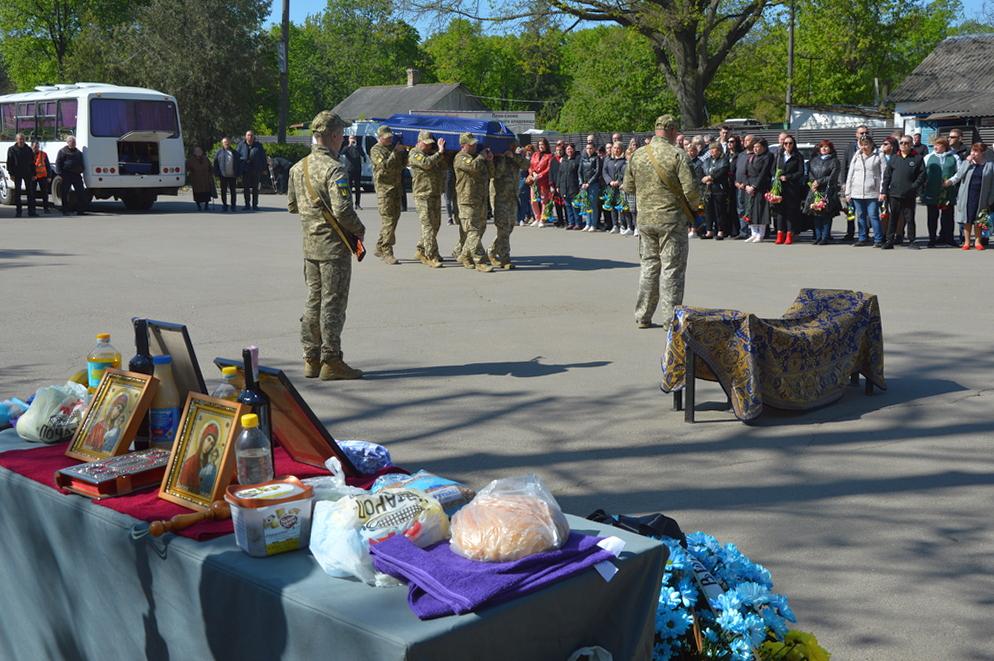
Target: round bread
[(507, 527)]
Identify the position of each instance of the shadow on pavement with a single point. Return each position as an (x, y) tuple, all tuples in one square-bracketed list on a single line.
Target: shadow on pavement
[(569, 263), (520, 369)]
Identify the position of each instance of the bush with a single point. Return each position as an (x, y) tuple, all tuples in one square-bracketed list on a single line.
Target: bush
[(291, 151)]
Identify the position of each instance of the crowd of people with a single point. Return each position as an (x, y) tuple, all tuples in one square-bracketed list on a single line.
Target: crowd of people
[(247, 161), (33, 174), (752, 190)]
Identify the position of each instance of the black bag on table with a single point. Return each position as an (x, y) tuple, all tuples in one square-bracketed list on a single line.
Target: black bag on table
[(649, 525)]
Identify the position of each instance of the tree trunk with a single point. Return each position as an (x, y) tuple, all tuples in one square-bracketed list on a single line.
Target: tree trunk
[(689, 90), (679, 63)]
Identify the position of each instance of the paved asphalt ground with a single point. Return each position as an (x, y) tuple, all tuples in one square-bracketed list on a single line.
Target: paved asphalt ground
[(873, 514)]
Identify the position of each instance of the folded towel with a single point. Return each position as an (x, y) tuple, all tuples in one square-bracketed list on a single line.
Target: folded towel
[(445, 583)]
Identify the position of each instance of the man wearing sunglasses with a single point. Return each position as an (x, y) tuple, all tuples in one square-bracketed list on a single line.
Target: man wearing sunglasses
[(904, 179)]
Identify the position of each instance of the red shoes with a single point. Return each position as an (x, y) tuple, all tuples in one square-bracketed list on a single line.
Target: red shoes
[(790, 239), (779, 240)]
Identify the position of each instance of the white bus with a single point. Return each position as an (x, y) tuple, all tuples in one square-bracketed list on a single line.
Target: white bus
[(129, 136)]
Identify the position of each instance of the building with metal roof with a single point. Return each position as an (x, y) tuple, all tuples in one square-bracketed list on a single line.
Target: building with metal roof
[(381, 101)]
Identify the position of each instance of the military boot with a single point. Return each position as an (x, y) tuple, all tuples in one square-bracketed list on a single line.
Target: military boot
[(311, 368), (338, 370), (420, 255), (484, 268), (388, 258), (494, 260), (467, 263), (434, 262), (507, 266)]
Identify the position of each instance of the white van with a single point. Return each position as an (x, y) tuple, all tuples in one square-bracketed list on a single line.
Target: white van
[(130, 139)]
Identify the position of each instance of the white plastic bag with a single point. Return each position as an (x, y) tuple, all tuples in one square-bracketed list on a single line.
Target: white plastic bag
[(332, 487), (508, 520), (342, 531), (54, 413)]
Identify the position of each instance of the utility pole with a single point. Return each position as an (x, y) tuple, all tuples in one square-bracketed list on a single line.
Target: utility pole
[(790, 66), (284, 53)]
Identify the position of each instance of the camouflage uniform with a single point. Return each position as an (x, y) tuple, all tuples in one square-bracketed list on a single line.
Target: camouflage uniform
[(327, 260), (388, 169), (504, 202), (662, 223), (450, 193), (471, 187), (427, 180)]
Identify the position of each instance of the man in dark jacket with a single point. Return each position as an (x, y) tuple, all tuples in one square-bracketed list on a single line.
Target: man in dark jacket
[(21, 168), (253, 165), (69, 165), (279, 171), (354, 158), (904, 178), (568, 183), (227, 166), (956, 144), (741, 197), (591, 172)]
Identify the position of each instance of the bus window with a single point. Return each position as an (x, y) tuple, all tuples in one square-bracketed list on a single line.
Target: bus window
[(46, 120), (67, 118), (8, 126), (26, 119), (112, 118)]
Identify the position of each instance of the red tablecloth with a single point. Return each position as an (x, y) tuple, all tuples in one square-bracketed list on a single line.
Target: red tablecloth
[(41, 464)]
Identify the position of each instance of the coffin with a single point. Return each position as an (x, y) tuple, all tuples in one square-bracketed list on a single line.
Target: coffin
[(491, 134)]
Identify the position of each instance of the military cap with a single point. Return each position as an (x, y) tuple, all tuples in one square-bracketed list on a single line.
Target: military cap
[(327, 121), (467, 139), (665, 122), (383, 131), (425, 136)]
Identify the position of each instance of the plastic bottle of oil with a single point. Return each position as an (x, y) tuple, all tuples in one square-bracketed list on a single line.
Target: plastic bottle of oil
[(103, 356)]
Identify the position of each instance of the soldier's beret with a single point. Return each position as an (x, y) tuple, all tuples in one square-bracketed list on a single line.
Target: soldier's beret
[(665, 122), (467, 139), (425, 136), (383, 131), (327, 121)]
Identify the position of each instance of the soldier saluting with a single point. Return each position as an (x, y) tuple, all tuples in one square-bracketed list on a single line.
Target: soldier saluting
[(666, 191), (318, 190)]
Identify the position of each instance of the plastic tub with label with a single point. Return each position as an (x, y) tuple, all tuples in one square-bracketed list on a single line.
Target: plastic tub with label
[(271, 517)]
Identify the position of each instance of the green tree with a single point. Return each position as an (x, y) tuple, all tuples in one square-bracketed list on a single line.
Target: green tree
[(615, 85)]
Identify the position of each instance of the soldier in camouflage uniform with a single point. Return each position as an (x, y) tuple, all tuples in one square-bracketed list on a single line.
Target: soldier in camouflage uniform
[(427, 178), (472, 170), (665, 191), (453, 202), (327, 258), (389, 160), (504, 202)]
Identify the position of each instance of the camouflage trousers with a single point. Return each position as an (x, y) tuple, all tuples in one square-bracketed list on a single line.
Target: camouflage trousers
[(505, 208), (661, 249), (324, 312), (474, 222), (389, 207), (430, 214)]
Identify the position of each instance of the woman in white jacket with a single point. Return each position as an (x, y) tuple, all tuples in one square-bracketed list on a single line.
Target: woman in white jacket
[(864, 184)]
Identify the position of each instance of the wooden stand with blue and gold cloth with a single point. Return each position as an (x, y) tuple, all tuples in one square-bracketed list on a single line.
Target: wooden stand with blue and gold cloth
[(803, 360)]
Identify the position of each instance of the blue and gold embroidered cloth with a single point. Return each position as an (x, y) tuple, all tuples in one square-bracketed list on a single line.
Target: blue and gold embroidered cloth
[(801, 361)]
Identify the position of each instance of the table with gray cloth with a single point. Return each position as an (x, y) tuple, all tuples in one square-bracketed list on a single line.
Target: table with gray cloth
[(74, 585)]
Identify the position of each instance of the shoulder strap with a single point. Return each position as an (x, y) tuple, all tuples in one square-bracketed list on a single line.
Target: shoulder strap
[(668, 182), (325, 211)]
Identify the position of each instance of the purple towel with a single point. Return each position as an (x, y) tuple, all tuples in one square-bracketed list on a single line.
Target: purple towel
[(445, 583)]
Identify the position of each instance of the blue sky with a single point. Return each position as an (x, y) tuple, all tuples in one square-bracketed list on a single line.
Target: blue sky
[(300, 9)]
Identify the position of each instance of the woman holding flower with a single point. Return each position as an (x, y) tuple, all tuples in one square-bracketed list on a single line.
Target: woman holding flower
[(823, 196), (758, 174), (939, 199), (976, 193), (538, 173), (864, 182), (790, 173)]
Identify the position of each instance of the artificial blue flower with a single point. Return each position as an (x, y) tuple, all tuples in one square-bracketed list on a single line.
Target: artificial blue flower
[(731, 621), (670, 597), (740, 650), (662, 651), (774, 622), (752, 594), (779, 602), (727, 601), (688, 592), (711, 635), (675, 623), (755, 629)]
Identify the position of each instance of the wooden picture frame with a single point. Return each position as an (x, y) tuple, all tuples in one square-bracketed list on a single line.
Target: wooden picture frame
[(202, 461), (113, 416)]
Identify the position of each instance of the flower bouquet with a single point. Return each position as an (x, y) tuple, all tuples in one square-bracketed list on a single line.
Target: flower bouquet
[(818, 202), (983, 223), (716, 603), (582, 203), (607, 199), (884, 211), (943, 201), (775, 194)]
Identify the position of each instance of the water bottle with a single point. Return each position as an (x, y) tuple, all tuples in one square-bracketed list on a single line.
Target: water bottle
[(226, 389), (253, 454)]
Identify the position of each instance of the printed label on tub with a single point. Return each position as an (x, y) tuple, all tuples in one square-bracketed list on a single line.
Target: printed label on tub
[(394, 509), (281, 530)]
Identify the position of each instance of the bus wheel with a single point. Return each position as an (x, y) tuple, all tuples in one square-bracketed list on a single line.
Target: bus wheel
[(139, 200), (57, 191), (6, 191)]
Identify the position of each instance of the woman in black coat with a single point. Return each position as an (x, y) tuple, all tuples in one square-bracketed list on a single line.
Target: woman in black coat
[(823, 179), (716, 193), (759, 171), (791, 168), (568, 184)]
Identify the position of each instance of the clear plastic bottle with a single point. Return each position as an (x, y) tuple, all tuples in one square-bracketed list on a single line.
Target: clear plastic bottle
[(253, 454), (164, 416), (98, 360), (227, 389)]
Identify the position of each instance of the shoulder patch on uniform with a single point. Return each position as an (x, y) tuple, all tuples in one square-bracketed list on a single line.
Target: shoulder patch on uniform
[(343, 187)]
